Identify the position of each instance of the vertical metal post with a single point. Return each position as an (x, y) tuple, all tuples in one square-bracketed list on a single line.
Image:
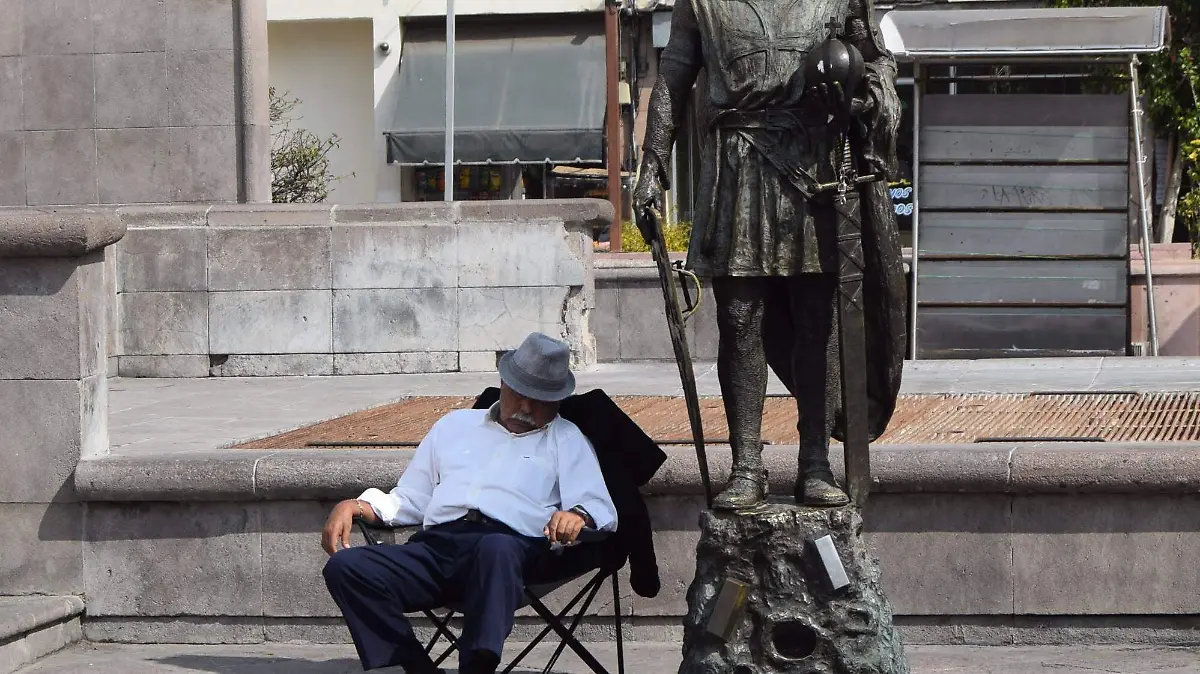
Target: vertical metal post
[(916, 214), (449, 166), (1143, 199), (612, 131)]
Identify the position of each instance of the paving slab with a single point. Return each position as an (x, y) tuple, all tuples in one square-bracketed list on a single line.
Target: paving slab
[(640, 657)]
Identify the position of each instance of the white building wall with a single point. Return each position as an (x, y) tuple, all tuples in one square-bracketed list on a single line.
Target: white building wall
[(328, 65)]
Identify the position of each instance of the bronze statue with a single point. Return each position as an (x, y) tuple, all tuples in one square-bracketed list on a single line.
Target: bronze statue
[(776, 137)]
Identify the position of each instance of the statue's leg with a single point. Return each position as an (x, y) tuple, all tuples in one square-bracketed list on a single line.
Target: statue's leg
[(742, 370), (816, 368)]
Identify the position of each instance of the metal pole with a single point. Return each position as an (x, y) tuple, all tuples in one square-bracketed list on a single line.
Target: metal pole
[(916, 214), (449, 165), (612, 131), (1143, 198)]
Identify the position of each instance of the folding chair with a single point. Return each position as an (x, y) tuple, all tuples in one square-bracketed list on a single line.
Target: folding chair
[(594, 552)]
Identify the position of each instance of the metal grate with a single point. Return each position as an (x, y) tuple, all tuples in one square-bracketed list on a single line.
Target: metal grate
[(919, 419)]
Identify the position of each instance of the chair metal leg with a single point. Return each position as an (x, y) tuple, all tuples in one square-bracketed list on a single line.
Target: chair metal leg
[(595, 584), (588, 587), (617, 610), (441, 628), (567, 637)]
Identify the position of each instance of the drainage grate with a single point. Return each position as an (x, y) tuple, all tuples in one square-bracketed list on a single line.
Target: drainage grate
[(919, 419)]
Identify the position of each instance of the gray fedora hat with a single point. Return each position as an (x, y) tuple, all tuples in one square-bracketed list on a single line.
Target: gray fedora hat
[(539, 369)]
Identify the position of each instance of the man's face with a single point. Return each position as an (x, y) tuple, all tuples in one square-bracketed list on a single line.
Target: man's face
[(520, 414)]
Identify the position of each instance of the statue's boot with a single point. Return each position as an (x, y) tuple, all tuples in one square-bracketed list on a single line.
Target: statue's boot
[(747, 488), (815, 485)]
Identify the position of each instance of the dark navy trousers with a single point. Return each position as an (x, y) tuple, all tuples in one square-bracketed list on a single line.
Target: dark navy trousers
[(478, 566)]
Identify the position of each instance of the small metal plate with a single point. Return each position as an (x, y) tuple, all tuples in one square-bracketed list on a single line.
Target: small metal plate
[(727, 611)]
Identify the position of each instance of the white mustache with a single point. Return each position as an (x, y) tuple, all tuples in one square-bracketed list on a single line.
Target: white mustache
[(523, 418)]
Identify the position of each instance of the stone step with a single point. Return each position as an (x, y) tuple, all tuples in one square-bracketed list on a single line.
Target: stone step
[(33, 627)]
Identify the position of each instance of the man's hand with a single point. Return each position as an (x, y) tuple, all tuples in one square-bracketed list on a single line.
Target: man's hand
[(336, 534), (564, 527)]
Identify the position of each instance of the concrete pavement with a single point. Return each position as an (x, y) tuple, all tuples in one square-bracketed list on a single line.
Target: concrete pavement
[(641, 658)]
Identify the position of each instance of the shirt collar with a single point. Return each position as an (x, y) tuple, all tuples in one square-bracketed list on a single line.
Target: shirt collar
[(493, 416)]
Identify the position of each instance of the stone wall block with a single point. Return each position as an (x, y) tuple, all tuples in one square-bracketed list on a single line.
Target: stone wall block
[(604, 323), (409, 213), (202, 161), (59, 91), (479, 361), (133, 165), (174, 630), (167, 367), (57, 27), (12, 169), (1101, 554), (131, 90), (199, 24), (264, 322), (128, 26), (418, 319), (200, 86), (676, 533), (395, 363), (517, 254), (305, 474), (93, 314), (643, 330), (291, 551), (60, 166), (12, 31), (12, 115), (270, 215), (162, 259), (943, 553), (164, 323), (409, 256), (39, 318), (46, 556), (286, 365), (165, 559), (294, 258), (40, 433), (492, 319), (170, 215)]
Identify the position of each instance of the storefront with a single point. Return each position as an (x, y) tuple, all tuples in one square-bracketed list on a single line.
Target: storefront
[(530, 96)]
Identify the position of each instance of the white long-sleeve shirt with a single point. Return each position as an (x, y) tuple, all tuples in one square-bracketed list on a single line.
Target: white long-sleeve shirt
[(469, 461)]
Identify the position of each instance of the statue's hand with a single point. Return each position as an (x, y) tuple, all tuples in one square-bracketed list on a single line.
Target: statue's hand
[(648, 194), (834, 99)]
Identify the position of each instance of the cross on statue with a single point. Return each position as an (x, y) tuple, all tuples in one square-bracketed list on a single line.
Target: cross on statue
[(834, 26)]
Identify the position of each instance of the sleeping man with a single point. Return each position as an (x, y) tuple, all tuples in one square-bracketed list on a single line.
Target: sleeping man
[(492, 489)]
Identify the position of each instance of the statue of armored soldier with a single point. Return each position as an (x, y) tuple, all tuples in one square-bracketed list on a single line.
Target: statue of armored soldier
[(765, 234)]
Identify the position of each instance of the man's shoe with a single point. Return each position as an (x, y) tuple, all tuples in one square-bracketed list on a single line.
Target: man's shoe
[(481, 662), (742, 492)]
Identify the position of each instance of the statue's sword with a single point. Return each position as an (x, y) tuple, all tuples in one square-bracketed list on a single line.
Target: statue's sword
[(851, 323), (676, 319)]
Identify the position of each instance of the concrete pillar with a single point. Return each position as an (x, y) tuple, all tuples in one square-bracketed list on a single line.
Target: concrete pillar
[(53, 388), (251, 84)]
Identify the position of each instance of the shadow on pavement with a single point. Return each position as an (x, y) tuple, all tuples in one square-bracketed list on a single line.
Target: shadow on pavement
[(261, 664)]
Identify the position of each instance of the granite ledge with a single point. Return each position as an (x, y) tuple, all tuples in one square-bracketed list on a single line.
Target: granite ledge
[(21, 615), (300, 474), (57, 232)]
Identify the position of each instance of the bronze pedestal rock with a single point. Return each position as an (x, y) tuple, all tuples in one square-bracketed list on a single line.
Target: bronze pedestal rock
[(790, 618)]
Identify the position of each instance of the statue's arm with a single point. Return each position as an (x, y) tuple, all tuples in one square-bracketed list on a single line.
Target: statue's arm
[(879, 124), (678, 67)]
